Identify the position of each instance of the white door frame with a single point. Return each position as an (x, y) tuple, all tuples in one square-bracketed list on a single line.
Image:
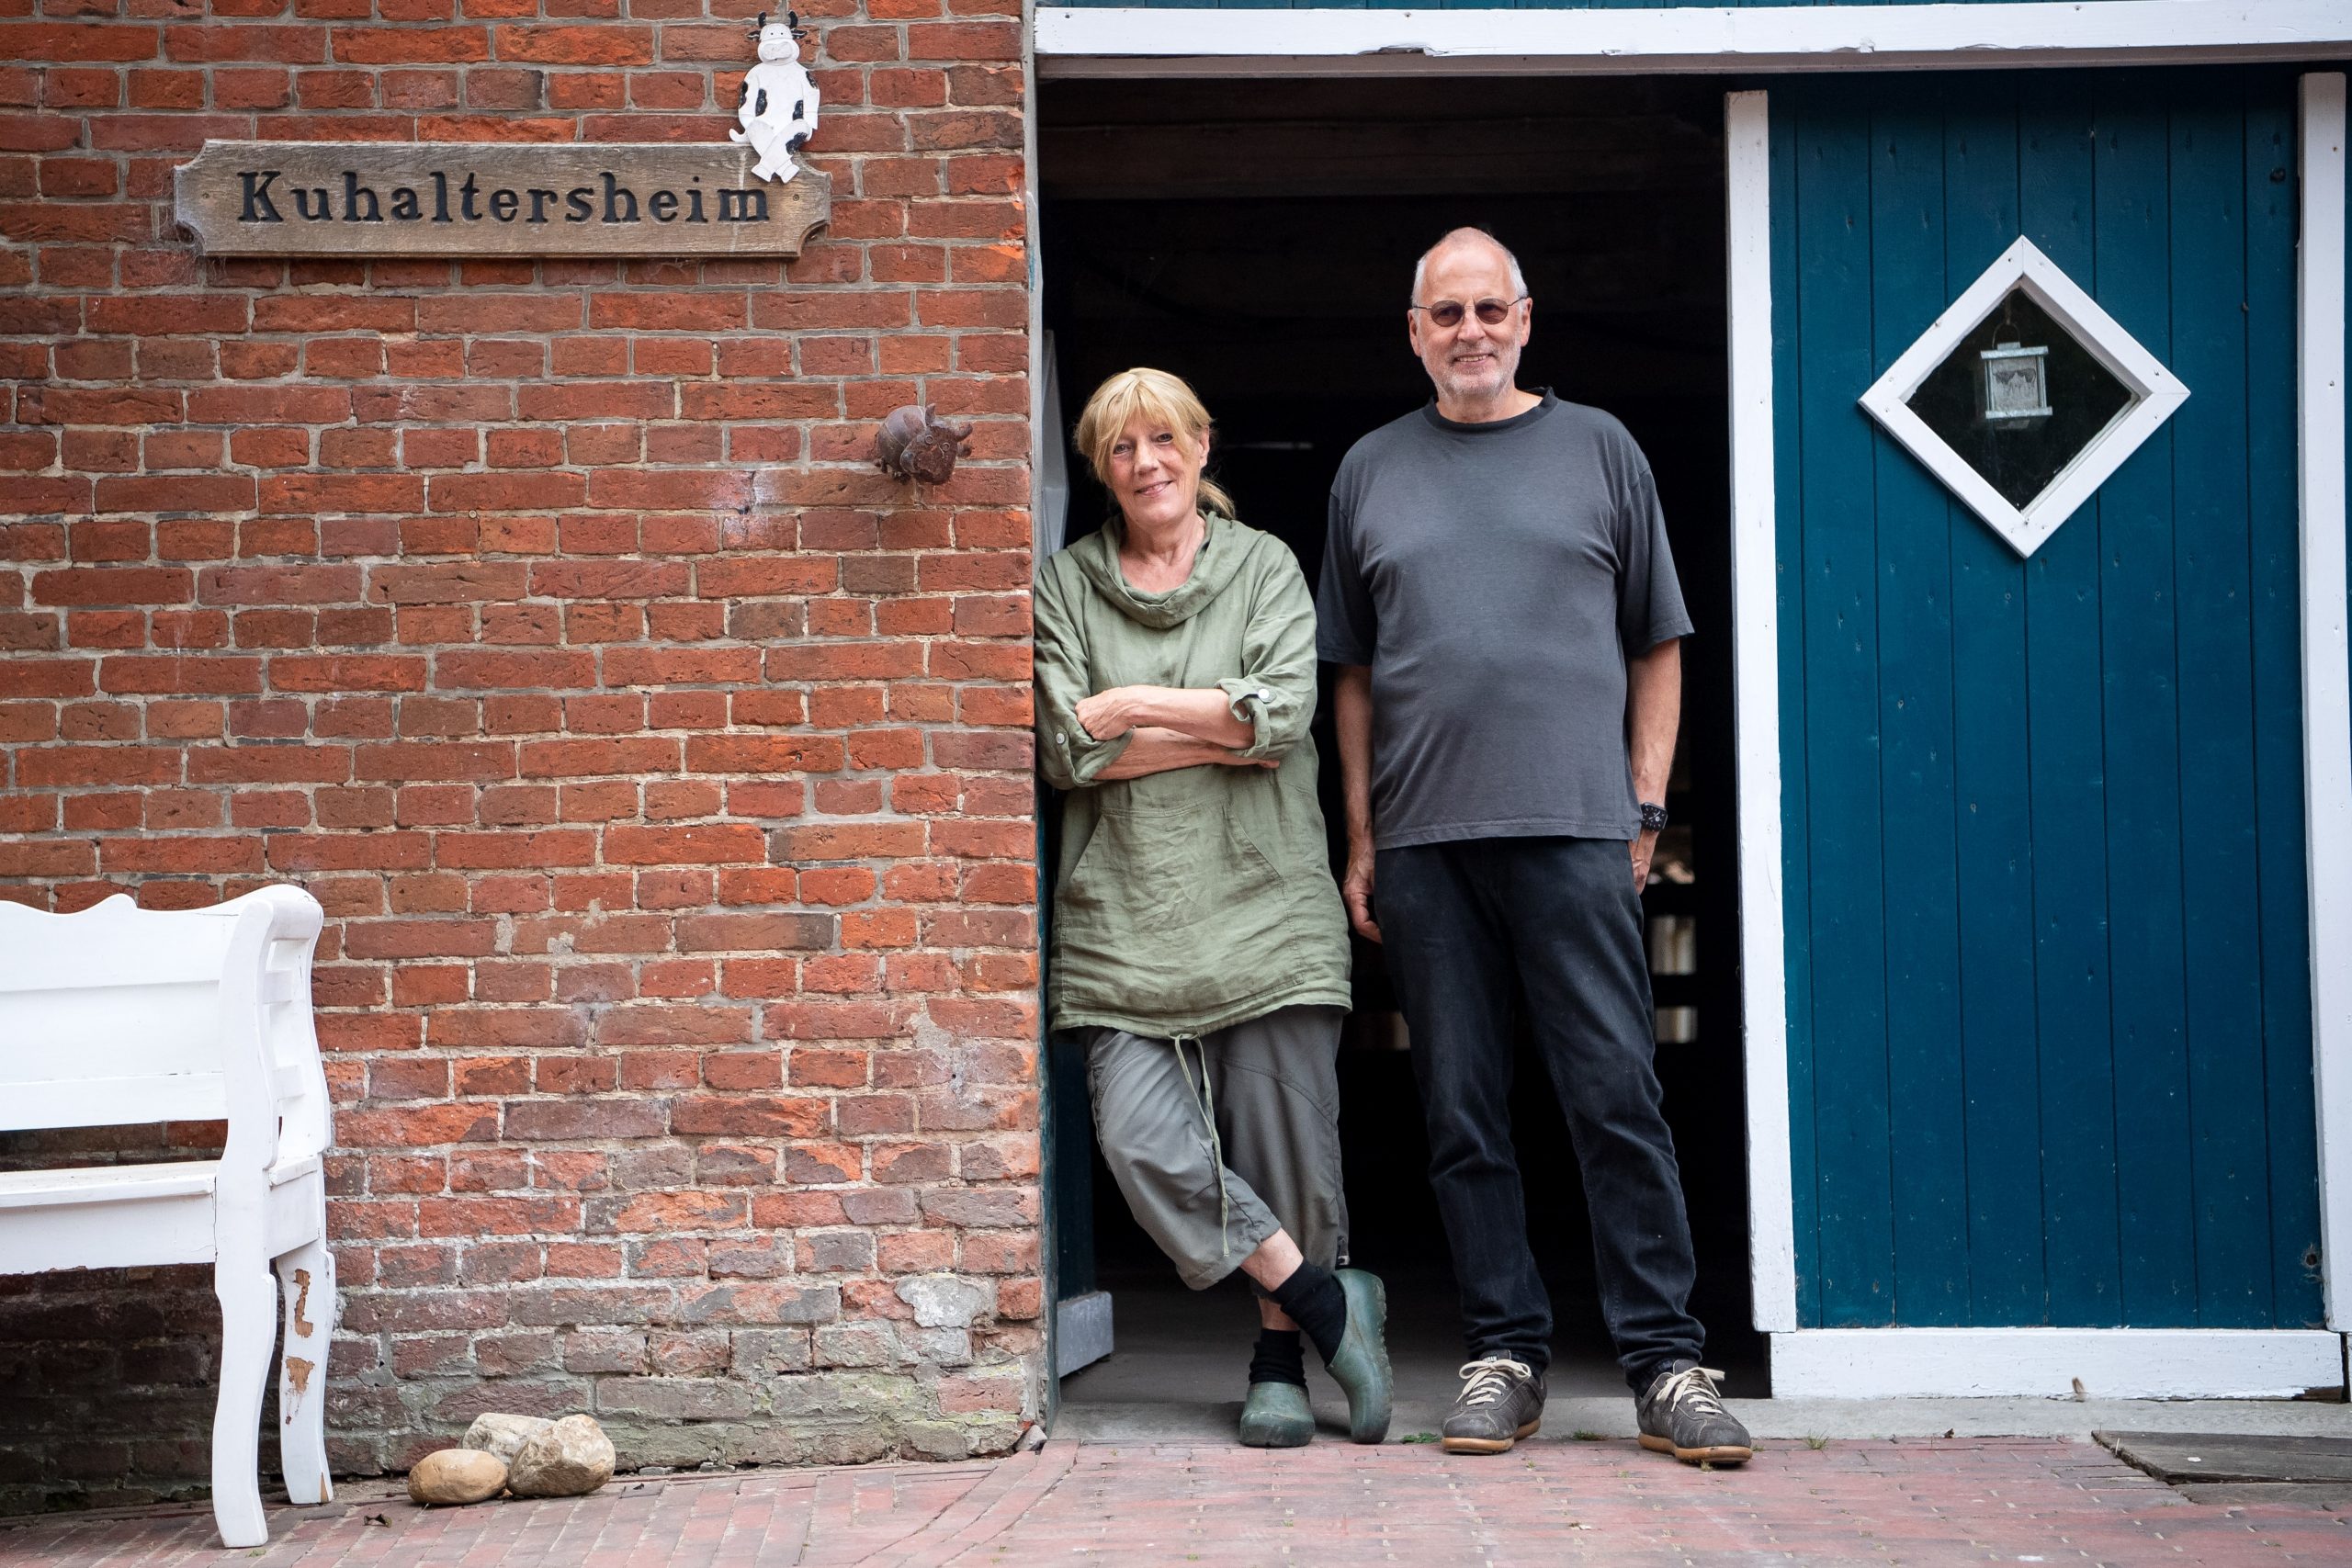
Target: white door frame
[(1885, 1362), (1185, 41), (1756, 709), (2327, 664)]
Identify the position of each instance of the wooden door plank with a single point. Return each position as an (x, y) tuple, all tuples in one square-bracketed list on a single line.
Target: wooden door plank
[(1995, 806), (2139, 653), (2222, 973), (1841, 737), (2065, 755), (1796, 906), (2274, 588), (1925, 1094)]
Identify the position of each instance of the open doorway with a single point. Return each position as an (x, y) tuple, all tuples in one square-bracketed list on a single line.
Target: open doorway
[(1258, 238)]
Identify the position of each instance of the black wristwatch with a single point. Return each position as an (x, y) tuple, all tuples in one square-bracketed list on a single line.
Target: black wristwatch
[(1653, 817)]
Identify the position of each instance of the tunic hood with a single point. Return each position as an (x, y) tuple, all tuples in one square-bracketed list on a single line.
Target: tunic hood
[(1213, 565)]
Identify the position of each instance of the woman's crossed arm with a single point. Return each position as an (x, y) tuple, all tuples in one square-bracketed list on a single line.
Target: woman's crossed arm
[(1203, 715), (1155, 749)]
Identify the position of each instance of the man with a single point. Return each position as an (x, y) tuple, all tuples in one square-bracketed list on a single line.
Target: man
[(1498, 594)]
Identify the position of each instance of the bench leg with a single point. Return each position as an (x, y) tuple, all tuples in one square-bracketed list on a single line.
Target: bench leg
[(248, 1329), (307, 1274)]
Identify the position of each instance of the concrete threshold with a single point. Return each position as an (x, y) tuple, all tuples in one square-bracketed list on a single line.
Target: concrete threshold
[(1567, 1419)]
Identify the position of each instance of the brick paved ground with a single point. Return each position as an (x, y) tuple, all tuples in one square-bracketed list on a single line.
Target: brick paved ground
[(2012, 1500)]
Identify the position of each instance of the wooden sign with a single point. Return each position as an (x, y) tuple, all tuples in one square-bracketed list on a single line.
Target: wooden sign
[(498, 199)]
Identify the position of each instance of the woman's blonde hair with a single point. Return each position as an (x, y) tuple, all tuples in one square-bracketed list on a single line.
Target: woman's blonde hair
[(1158, 398)]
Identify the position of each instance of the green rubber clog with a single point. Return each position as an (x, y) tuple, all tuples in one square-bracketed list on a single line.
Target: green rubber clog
[(1275, 1415), (1360, 1368)]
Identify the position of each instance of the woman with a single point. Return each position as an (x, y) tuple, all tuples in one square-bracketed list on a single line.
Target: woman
[(1199, 945)]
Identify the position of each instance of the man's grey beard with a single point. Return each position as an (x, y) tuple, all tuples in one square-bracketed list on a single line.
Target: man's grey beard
[(1497, 379)]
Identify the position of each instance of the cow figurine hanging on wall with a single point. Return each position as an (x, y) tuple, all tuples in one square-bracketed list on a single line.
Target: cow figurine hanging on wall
[(778, 112)]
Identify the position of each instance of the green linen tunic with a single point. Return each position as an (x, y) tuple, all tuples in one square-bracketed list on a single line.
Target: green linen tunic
[(1191, 900)]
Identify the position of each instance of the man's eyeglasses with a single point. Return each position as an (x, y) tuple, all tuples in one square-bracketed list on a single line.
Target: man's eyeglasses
[(1449, 312)]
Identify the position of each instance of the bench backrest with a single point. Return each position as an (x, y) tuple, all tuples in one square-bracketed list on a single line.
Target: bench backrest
[(121, 1016)]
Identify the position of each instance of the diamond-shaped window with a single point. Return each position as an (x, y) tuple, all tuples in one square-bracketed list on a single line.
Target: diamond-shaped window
[(2024, 396)]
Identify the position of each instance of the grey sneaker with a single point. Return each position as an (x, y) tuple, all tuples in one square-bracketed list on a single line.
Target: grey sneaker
[(1501, 1401), (1683, 1415)]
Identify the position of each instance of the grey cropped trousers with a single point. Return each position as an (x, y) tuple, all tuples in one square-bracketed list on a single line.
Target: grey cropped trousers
[(1220, 1140)]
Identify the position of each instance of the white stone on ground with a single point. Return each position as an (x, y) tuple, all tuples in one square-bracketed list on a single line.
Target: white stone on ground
[(503, 1434), (570, 1458)]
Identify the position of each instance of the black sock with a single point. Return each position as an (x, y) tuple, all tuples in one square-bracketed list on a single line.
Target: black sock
[(1313, 1299), (1280, 1358)]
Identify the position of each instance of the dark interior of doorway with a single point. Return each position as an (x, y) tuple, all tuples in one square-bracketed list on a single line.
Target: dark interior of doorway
[(1258, 238)]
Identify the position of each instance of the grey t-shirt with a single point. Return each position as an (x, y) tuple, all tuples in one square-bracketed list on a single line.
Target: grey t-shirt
[(1495, 577)]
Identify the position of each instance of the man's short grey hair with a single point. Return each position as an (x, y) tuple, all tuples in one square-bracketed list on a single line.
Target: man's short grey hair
[(1454, 237)]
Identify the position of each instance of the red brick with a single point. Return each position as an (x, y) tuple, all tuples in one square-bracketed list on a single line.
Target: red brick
[(685, 845), (401, 46), (792, 1116), (601, 45)]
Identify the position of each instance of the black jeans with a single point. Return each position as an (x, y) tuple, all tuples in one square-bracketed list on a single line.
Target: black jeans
[(1459, 922)]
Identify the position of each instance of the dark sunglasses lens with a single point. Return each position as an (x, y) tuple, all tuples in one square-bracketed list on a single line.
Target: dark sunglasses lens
[(1449, 312)]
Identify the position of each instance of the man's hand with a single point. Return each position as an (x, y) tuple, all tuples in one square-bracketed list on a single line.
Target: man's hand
[(1652, 713), (1352, 713), (1107, 716), (1355, 891)]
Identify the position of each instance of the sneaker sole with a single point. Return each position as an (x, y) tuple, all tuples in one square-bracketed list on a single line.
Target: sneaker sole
[(1489, 1444), (1722, 1453)]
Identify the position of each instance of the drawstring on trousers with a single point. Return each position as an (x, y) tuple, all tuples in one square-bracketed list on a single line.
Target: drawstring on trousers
[(1206, 1098)]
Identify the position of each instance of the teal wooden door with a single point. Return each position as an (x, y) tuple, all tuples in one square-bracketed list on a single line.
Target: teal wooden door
[(2050, 1032)]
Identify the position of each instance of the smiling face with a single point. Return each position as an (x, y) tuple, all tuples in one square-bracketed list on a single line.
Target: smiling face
[(1153, 470), (1472, 363)]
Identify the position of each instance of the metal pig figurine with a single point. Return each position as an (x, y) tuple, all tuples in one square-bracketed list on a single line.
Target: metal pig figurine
[(778, 111), (916, 443)]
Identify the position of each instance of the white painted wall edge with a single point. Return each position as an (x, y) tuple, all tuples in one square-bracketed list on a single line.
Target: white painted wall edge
[(2327, 681), (1755, 708), (1079, 40), (2043, 1363)]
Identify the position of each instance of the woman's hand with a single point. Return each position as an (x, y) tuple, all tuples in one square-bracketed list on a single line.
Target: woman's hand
[(1107, 716)]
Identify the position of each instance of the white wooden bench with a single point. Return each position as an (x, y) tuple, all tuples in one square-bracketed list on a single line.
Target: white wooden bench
[(122, 1016)]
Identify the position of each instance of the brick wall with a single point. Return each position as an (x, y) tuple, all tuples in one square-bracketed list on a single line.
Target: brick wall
[(661, 767)]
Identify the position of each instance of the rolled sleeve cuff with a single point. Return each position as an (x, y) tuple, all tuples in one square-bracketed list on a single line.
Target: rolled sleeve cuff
[(1255, 703), (1078, 756)]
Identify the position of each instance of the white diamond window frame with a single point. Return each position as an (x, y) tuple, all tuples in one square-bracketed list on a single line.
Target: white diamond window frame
[(2156, 393)]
